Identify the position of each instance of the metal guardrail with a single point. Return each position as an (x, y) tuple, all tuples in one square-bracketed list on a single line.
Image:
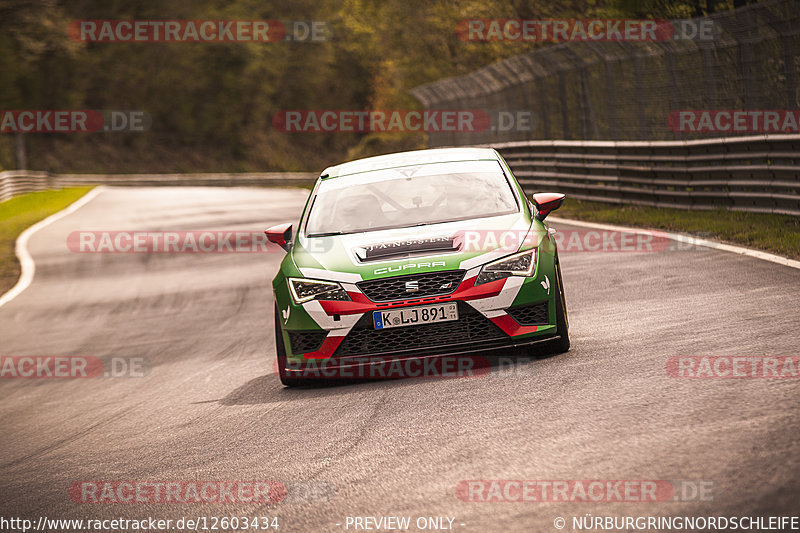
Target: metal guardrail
[(758, 174), (16, 182)]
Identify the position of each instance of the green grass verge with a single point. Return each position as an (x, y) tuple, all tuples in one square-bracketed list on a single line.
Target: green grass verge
[(22, 212), (779, 234)]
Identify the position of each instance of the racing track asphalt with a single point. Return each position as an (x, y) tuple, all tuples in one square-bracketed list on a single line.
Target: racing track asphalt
[(212, 408)]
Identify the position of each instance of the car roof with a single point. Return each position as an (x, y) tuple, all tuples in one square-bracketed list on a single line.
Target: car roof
[(405, 159)]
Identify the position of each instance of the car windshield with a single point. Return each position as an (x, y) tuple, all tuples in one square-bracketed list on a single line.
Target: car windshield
[(410, 196)]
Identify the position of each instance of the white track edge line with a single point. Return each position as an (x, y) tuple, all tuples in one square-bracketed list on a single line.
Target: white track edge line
[(688, 239), (26, 263)]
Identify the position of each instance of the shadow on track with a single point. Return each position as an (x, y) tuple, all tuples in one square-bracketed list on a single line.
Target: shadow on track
[(267, 389)]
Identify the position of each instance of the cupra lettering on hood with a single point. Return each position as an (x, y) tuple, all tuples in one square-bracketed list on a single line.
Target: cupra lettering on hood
[(401, 268)]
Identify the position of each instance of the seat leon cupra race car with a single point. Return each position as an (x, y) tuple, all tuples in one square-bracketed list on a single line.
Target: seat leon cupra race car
[(414, 255)]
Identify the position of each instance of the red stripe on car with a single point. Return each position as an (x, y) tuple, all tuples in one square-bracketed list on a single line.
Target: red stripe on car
[(510, 326), (325, 351)]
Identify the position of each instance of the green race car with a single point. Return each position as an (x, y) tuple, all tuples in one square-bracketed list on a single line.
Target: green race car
[(415, 255)]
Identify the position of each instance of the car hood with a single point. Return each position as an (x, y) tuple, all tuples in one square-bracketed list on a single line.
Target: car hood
[(448, 246)]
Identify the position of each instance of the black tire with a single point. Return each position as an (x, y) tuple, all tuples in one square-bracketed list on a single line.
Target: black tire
[(561, 344), (280, 351)]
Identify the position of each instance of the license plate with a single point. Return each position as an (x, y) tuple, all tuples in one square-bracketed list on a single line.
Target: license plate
[(413, 316)]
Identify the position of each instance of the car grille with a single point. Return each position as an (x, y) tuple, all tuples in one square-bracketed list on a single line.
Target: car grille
[(470, 327), (530, 315), (306, 341), (430, 284)]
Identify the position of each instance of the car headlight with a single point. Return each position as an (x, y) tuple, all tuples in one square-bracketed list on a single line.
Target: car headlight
[(519, 264), (304, 290)]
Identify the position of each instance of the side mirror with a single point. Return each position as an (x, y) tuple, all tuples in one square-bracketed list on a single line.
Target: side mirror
[(546, 202), (281, 235)]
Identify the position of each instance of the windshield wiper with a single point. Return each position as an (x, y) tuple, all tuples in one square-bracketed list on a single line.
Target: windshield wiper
[(329, 233)]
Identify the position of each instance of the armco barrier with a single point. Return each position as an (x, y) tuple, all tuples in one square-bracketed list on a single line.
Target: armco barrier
[(16, 182), (759, 174)]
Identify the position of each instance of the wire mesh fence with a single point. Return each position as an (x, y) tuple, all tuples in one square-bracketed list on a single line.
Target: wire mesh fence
[(618, 90)]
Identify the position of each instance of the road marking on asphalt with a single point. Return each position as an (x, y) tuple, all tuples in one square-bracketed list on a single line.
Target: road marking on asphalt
[(26, 263), (688, 239)]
